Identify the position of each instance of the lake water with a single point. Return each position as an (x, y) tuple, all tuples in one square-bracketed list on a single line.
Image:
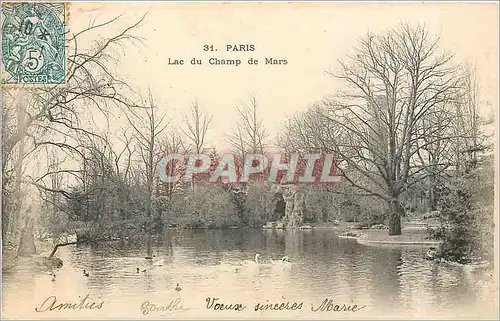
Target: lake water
[(390, 281)]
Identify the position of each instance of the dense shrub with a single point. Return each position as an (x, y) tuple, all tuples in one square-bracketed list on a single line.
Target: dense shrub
[(466, 216), (205, 207), (260, 203)]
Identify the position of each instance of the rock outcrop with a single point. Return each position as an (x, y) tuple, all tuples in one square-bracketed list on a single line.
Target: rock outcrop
[(294, 205)]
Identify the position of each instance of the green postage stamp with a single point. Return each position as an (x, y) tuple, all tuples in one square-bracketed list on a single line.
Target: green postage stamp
[(33, 43)]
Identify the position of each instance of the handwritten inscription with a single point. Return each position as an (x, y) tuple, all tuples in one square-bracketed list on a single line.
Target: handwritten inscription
[(214, 305), (328, 305), (286, 305), (172, 306), (51, 304)]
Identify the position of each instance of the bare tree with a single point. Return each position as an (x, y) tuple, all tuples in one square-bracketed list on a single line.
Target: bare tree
[(127, 152), (197, 125), (249, 134), (149, 125), (469, 140), (307, 132), (394, 81), (170, 145), (57, 117), (237, 142)]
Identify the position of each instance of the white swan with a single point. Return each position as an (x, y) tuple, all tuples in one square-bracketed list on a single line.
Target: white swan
[(285, 262), (256, 261)]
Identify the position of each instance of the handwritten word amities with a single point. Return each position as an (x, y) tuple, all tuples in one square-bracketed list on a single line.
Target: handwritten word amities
[(212, 304), (328, 305), (51, 304)]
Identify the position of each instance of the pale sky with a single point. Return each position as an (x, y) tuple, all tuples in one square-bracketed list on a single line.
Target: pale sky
[(310, 36)]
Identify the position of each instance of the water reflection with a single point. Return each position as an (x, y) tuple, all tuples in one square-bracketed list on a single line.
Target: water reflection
[(391, 280)]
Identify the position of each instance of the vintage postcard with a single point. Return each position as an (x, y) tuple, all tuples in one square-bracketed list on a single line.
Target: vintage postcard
[(244, 160)]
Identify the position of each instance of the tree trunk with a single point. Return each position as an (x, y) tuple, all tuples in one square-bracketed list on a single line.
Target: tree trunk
[(395, 217), (149, 232), (167, 243), (58, 246), (432, 198), (5, 217), (149, 244)]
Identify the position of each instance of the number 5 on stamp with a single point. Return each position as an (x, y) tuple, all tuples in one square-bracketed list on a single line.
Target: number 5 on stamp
[(33, 43)]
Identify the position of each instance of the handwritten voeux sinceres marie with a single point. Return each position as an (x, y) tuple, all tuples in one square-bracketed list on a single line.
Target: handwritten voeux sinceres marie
[(249, 160)]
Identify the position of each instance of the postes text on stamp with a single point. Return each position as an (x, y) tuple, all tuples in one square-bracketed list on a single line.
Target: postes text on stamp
[(33, 43)]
